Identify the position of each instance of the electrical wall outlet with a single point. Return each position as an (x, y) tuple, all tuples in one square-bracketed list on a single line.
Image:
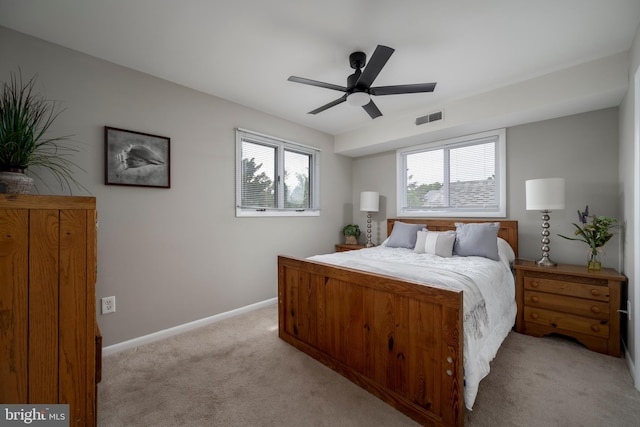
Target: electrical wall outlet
[(108, 305)]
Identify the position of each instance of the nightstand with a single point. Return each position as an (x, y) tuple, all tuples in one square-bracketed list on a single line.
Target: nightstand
[(572, 301), (343, 247)]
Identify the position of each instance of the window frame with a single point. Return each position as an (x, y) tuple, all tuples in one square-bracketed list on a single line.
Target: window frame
[(499, 135), (281, 145)]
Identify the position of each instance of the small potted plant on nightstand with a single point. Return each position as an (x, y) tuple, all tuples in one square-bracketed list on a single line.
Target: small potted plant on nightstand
[(351, 233), (595, 234)]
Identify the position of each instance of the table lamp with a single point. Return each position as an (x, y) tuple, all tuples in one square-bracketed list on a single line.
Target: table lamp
[(369, 202), (545, 195)]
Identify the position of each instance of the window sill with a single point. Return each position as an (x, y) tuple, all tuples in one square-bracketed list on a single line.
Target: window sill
[(252, 213)]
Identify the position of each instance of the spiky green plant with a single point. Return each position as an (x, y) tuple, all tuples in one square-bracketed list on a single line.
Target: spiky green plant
[(25, 118)]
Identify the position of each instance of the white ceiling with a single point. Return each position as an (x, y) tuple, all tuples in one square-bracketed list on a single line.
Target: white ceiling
[(244, 50)]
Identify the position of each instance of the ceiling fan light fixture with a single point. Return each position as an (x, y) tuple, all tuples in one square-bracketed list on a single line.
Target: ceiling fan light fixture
[(359, 90), (358, 99)]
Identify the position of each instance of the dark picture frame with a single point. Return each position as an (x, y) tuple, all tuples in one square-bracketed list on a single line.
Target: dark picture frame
[(136, 158)]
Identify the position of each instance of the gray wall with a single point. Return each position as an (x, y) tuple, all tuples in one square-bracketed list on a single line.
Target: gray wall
[(171, 256), (582, 148), (628, 201)]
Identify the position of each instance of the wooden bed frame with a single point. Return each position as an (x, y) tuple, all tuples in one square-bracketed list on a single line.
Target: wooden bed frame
[(400, 340)]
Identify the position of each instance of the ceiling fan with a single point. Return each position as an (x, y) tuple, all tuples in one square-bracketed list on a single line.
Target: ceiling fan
[(358, 90)]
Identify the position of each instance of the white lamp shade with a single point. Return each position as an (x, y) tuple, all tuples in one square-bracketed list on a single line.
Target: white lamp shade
[(545, 194), (369, 201)]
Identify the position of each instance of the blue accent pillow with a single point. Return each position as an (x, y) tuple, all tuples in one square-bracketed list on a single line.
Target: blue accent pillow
[(404, 235), (477, 239)]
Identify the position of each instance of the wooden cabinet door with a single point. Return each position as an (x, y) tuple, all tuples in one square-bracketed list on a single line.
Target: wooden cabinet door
[(14, 300), (47, 303), (44, 242)]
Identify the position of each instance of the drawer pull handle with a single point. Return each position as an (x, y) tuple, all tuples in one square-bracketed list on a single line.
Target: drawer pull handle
[(595, 309), (534, 315), (535, 299), (595, 328), (534, 284), (595, 292)]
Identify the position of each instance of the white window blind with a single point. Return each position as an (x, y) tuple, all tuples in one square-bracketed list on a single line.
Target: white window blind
[(275, 177), (456, 177)]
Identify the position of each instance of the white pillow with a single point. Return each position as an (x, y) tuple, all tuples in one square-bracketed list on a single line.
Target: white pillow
[(438, 243), (420, 239), (505, 249)]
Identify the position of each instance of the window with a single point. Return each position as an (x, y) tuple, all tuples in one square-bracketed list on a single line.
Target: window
[(457, 177), (275, 177)]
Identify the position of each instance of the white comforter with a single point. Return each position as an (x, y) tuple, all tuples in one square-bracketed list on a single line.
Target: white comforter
[(488, 296)]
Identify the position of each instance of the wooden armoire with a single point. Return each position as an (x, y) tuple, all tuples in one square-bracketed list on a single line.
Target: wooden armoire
[(49, 339)]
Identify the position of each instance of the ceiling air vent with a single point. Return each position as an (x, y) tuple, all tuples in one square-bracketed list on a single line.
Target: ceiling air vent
[(431, 117)]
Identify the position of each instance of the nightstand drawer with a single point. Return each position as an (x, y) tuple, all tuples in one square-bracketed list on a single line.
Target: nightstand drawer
[(570, 300), (562, 287), (567, 322), (565, 304)]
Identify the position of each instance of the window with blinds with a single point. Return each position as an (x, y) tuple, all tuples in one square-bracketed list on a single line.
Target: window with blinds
[(275, 177), (457, 177)]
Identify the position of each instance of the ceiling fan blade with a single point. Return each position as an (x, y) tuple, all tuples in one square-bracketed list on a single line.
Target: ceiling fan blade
[(379, 58), (329, 105), (372, 109), (316, 83), (394, 90)]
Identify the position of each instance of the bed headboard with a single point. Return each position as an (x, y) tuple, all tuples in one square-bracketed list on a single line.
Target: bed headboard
[(508, 228)]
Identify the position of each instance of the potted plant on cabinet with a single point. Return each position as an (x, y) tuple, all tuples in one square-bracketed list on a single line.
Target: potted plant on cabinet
[(25, 118), (351, 233)]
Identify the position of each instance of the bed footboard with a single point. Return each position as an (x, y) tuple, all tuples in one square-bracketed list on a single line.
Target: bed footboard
[(399, 340)]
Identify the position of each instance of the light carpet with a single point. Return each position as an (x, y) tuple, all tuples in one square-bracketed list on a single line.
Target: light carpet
[(237, 372)]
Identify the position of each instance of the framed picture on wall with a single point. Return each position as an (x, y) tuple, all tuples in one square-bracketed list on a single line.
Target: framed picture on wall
[(136, 158)]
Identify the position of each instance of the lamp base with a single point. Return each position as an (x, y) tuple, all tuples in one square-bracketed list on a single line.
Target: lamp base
[(546, 262), (369, 243)]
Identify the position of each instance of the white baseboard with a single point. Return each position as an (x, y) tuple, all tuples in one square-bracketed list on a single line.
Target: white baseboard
[(630, 364), (145, 339)]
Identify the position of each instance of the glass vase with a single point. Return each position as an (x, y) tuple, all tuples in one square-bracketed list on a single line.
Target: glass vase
[(594, 263)]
